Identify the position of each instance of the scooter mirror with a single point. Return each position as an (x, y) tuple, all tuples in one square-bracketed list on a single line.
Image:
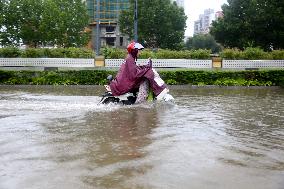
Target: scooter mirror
[(109, 78)]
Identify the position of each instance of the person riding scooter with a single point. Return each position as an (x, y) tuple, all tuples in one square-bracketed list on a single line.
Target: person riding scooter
[(130, 75)]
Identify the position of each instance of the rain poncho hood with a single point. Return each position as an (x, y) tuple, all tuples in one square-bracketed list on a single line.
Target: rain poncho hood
[(130, 76)]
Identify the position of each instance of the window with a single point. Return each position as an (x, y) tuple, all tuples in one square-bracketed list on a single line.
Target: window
[(110, 29), (121, 41), (110, 41)]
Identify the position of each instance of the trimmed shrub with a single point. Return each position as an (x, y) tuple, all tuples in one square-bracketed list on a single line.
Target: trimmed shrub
[(167, 54), (146, 53), (58, 53), (231, 54), (200, 54), (254, 54), (10, 52), (32, 53), (114, 53), (277, 55), (98, 77), (73, 52)]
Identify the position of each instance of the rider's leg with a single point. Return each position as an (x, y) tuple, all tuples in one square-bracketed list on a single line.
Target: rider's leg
[(143, 92), (157, 84)]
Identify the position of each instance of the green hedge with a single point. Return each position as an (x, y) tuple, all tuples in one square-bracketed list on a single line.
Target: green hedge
[(113, 53), (110, 53), (252, 54), (98, 77), (13, 52)]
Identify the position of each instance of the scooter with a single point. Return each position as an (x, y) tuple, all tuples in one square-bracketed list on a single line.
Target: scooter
[(125, 99), (130, 97)]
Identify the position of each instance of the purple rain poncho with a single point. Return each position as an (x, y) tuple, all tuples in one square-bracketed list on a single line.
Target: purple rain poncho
[(130, 76)]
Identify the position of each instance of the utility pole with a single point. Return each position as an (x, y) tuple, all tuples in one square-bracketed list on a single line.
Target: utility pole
[(135, 21), (98, 28)]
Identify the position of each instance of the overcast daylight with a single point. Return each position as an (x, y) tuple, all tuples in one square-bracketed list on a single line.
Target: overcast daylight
[(194, 8)]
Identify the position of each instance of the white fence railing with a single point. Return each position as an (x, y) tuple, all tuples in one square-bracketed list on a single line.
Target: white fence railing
[(242, 64), (165, 63), (47, 62), (158, 63)]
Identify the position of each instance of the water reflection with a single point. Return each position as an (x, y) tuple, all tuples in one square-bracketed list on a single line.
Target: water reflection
[(58, 137), (121, 138), (106, 148), (254, 125)]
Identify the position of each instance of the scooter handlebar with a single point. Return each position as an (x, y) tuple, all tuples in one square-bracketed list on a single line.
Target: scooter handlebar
[(150, 62)]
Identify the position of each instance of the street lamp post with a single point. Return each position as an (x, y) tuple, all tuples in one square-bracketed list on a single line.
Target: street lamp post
[(135, 21), (98, 29)]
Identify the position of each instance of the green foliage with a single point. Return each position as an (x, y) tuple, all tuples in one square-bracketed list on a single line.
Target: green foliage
[(55, 78), (231, 54), (73, 52), (32, 53), (21, 22), (171, 82), (225, 78), (251, 23), (277, 55), (146, 53), (111, 53), (254, 53), (64, 23), (57, 53), (241, 82), (168, 54), (114, 53), (98, 77), (2, 9), (43, 22), (30, 20), (202, 41), (10, 52), (251, 54), (4, 75), (161, 23), (200, 54), (10, 23)]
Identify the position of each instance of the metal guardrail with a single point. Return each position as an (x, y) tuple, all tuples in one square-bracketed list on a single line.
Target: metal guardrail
[(46, 62), (243, 64), (165, 63), (158, 63)]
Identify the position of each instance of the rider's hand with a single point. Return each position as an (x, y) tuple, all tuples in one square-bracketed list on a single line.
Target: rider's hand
[(150, 61), (107, 87)]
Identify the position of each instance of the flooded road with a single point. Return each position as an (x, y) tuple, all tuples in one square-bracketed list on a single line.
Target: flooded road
[(213, 138)]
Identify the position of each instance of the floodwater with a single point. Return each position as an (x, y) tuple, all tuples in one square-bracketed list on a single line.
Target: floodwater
[(214, 138)]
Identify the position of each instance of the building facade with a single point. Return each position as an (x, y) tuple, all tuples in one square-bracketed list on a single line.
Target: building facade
[(202, 25), (107, 15), (180, 3), (219, 14)]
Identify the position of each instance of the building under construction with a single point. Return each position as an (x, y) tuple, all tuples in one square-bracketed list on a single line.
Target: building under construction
[(106, 14)]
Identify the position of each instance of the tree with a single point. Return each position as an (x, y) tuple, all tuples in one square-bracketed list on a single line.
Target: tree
[(43, 22), (251, 23), (160, 23), (202, 41), (2, 8), (30, 21), (64, 25), (20, 22), (10, 26)]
